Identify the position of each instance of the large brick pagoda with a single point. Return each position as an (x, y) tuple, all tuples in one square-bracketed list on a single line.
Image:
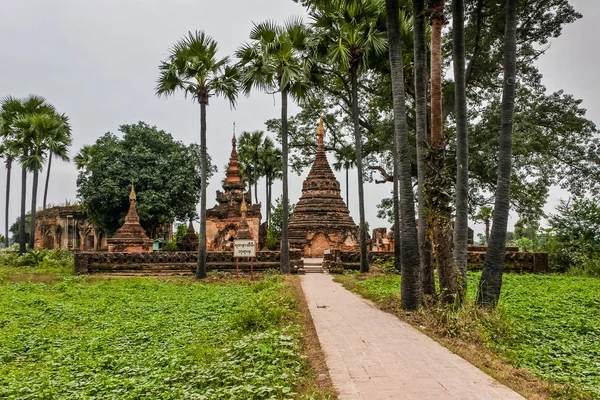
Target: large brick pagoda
[(321, 219), (223, 220)]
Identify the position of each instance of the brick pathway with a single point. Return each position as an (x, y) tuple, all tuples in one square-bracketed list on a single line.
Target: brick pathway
[(373, 355)]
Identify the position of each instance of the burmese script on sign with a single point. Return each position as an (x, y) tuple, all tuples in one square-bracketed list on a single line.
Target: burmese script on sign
[(244, 248)]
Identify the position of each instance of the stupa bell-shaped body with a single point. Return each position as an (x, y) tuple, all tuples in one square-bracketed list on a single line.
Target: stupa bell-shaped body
[(321, 219)]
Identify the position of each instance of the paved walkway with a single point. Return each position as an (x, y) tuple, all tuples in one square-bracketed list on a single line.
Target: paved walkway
[(373, 355)]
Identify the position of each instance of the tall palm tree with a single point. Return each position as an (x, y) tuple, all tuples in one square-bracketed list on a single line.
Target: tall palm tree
[(440, 212), (352, 35), (12, 109), (490, 283), (9, 157), (83, 157), (420, 66), (58, 145), (270, 163), (411, 294), (275, 62), (345, 158), (249, 145), (194, 68), (461, 221)]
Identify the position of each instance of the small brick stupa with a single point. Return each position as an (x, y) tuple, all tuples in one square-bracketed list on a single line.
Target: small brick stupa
[(190, 240), (321, 219), (244, 229), (131, 237), (223, 220)]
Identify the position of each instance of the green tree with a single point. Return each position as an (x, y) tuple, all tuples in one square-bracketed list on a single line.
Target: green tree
[(270, 163), (15, 228), (274, 62), (461, 220), (9, 157), (485, 215), (411, 291), (351, 34), (249, 144), (490, 284), (57, 145), (18, 143), (166, 175), (194, 68), (276, 226)]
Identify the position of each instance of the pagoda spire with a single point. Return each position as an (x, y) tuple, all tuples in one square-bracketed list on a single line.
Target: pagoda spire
[(320, 134)]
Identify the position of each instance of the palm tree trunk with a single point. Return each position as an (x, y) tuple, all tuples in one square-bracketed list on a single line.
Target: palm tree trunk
[(487, 232), (490, 284), (34, 190), (267, 199), (410, 293), (347, 187), (461, 223), (47, 179), (439, 183), (364, 261), (285, 255), (420, 56), (6, 209), (201, 266), (255, 183), (22, 236)]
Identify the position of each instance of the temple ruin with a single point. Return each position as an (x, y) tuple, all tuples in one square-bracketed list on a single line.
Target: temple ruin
[(131, 237), (223, 220), (321, 219)]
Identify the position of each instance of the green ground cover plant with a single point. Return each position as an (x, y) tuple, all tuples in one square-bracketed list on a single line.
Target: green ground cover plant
[(146, 338), (547, 324)]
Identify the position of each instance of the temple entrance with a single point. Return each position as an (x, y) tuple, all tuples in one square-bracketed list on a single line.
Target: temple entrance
[(90, 242), (318, 246), (48, 242)]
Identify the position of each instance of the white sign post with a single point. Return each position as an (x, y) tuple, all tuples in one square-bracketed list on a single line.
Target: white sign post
[(243, 248)]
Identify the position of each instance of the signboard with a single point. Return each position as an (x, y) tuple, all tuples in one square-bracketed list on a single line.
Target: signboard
[(244, 248)]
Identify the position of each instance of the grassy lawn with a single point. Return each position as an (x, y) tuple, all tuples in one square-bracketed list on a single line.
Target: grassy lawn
[(71, 337), (547, 324)]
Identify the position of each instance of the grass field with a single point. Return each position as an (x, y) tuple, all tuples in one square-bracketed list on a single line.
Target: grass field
[(144, 338), (548, 324)]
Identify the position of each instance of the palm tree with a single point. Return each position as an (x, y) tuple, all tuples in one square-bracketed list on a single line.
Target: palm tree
[(193, 68), (440, 211), (351, 34), (420, 66), (490, 283), (11, 110), (84, 157), (248, 153), (461, 222), (485, 215), (9, 157), (58, 145), (275, 61), (411, 294), (345, 158), (270, 162)]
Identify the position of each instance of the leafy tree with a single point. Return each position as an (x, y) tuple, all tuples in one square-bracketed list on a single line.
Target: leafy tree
[(15, 228), (249, 144), (165, 172), (275, 62), (350, 34), (18, 141), (194, 68), (525, 228), (57, 145), (407, 248), (490, 284), (485, 215), (276, 226), (270, 164)]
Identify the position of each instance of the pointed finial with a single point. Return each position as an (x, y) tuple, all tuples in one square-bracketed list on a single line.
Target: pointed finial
[(233, 139), (320, 133), (132, 196), (244, 207)]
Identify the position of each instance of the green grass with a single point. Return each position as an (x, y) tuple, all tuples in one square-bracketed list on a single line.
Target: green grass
[(145, 338), (550, 323)]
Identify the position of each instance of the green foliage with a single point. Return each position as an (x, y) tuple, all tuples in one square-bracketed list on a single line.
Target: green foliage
[(171, 246), (166, 174), (149, 338), (277, 217), (180, 233), (14, 228), (272, 241), (36, 262), (549, 324)]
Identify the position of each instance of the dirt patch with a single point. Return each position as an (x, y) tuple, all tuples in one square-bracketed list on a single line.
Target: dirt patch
[(319, 379)]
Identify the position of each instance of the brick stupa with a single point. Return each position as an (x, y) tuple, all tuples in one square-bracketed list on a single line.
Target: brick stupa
[(131, 237), (223, 221), (321, 219)]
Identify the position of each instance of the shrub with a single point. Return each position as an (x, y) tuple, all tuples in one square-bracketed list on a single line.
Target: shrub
[(171, 246)]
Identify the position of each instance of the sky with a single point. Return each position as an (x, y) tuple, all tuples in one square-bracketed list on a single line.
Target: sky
[(97, 62)]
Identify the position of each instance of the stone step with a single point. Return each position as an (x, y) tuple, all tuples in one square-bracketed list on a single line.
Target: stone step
[(313, 269)]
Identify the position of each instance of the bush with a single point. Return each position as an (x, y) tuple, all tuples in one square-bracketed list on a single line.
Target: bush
[(171, 246)]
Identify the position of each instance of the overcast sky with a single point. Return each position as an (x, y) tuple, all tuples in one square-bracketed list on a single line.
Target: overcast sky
[(97, 61)]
